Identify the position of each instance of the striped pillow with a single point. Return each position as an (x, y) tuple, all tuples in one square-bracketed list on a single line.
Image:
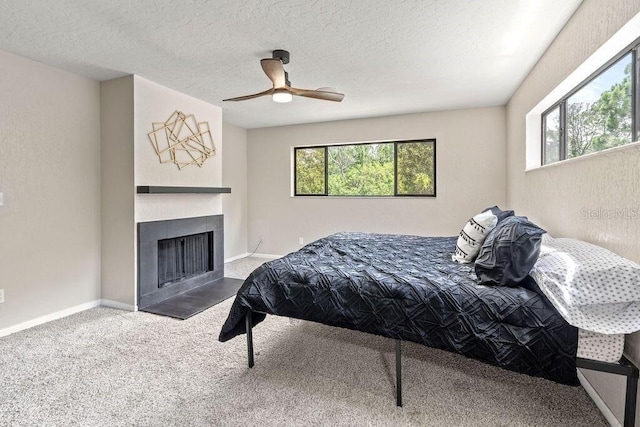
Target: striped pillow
[(473, 235)]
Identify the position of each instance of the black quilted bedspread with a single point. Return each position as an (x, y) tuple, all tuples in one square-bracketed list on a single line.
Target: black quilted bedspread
[(408, 287)]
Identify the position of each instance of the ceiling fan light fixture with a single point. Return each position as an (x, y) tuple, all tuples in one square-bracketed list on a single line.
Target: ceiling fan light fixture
[(282, 96)]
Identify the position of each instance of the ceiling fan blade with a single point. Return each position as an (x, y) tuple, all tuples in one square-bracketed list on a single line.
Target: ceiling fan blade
[(318, 94), (274, 69), (255, 95)]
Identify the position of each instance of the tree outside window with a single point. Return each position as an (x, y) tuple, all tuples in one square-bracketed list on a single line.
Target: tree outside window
[(396, 168)]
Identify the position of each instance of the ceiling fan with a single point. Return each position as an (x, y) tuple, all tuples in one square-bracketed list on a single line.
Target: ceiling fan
[(282, 91)]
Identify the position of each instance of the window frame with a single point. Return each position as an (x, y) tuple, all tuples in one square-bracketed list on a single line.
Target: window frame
[(543, 122), (395, 168), (634, 50)]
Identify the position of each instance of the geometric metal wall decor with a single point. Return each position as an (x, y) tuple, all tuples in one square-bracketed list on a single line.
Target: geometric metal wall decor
[(182, 140)]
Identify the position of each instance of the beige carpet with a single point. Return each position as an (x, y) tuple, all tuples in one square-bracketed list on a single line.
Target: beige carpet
[(105, 367), (241, 268)]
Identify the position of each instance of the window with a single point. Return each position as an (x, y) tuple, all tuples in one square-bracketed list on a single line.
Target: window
[(395, 168), (311, 177), (600, 113)]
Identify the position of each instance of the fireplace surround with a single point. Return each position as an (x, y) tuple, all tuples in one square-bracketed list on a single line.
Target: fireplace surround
[(177, 242)]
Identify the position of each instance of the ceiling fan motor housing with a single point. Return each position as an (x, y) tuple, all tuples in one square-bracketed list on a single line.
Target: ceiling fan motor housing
[(282, 55)]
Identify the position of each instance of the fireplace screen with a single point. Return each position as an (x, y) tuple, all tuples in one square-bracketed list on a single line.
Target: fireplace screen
[(183, 257)]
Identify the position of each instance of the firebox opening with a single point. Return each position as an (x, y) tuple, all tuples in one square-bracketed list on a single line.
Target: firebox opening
[(181, 258)]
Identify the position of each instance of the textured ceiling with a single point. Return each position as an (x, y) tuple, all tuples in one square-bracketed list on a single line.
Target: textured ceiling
[(387, 56)]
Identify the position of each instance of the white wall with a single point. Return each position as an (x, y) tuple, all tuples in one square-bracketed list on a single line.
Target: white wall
[(234, 205), (470, 167), (156, 103), (555, 196), (129, 107), (50, 177)]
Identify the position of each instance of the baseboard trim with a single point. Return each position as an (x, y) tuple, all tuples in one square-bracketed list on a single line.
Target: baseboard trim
[(593, 394), (233, 258), (266, 256), (49, 317), (118, 305)]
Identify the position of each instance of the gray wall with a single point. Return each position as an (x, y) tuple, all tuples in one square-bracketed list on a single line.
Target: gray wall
[(470, 176), (234, 205), (118, 203), (554, 196), (50, 177)]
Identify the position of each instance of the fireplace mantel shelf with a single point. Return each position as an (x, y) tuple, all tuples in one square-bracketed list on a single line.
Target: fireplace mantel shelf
[(149, 189)]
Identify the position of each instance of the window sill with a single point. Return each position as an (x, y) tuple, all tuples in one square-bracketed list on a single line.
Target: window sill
[(631, 146)]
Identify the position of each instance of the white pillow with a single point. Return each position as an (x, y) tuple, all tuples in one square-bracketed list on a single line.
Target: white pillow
[(473, 235), (591, 287)]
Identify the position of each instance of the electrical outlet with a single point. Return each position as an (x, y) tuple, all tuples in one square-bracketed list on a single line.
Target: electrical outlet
[(300, 241), (1, 296)]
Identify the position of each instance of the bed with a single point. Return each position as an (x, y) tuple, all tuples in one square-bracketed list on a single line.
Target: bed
[(408, 288)]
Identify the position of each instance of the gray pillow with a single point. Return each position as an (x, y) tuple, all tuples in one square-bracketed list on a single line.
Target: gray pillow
[(499, 213), (509, 252)]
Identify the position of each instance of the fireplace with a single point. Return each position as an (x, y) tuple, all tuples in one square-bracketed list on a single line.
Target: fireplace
[(176, 256)]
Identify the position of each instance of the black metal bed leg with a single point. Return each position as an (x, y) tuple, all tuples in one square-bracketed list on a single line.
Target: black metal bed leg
[(630, 402), (399, 373), (623, 367), (249, 326)]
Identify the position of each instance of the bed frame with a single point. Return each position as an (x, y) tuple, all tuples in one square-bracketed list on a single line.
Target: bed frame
[(623, 367)]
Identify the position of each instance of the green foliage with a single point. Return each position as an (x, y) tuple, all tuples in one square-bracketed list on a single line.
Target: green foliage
[(361, 170), (310, 171), (602, 124), (366, 169), (415, 168)]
